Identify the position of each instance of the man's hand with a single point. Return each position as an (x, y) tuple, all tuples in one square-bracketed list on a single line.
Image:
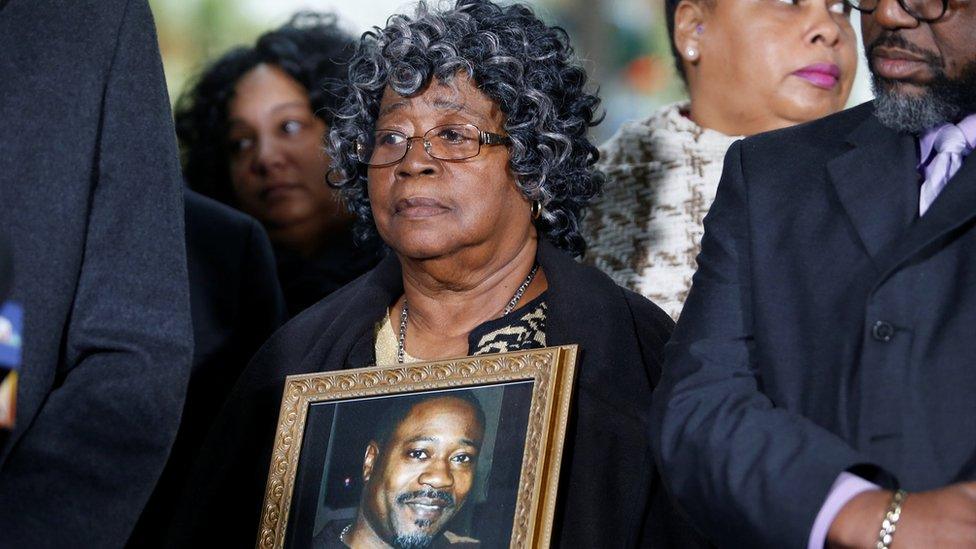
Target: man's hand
[(944, 518)]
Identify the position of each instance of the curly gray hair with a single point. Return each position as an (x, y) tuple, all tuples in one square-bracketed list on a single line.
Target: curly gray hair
[(527, 67)]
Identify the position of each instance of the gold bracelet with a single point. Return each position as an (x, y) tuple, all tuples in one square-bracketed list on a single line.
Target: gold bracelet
[(890, 522)]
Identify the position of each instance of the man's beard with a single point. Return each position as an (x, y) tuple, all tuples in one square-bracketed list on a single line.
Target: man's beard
[(944, 99), (423, 539), (417, 540)]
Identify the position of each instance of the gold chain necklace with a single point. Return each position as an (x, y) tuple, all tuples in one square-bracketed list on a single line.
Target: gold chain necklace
[(401, 340)]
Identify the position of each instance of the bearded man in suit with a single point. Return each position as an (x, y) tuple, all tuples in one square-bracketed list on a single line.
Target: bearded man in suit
[(819, 386)]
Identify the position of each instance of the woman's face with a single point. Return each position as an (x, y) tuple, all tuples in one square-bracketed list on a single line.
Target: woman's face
[(277, 162), (425, 208), (768, 64)]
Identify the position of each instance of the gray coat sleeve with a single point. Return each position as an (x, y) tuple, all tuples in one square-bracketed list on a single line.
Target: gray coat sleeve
[(84, 468), (749, 474)]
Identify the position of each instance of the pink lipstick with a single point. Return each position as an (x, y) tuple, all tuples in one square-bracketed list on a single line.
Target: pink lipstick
[(821, 75)]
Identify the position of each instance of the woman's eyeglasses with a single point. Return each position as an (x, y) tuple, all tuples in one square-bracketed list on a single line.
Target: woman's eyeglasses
[(447, 142)]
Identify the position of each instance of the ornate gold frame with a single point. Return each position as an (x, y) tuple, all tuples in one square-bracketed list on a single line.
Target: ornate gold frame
[(552, 369)]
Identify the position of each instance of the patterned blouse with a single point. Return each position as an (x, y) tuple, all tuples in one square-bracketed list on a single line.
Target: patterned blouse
[(645, 230), (524, 328)]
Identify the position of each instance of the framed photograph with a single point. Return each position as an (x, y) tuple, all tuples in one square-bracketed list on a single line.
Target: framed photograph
[(455, 453)]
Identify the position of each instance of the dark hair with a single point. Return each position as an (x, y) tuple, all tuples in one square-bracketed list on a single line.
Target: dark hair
[(310, 48), (670, 7), (528, 68), (400, 408)]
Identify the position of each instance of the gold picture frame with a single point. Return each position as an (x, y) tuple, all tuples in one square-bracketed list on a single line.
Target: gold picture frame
[(550, 371)]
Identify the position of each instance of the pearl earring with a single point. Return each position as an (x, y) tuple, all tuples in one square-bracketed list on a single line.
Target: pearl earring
[(692, 53)]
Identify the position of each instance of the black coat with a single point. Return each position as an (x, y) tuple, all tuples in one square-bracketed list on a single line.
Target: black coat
[(829, 328), (90, 199), (610, 494), (236, 305)]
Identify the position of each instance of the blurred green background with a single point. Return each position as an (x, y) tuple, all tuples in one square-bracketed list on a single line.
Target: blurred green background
[(623, 43)]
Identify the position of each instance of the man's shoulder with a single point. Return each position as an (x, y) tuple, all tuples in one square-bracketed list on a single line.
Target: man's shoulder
[(337, 312), (818, 137), (310, 323), (330, 536), (206, 214), (220, 240)]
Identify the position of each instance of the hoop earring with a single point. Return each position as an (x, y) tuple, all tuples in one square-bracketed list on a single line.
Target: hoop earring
[(536, 209)]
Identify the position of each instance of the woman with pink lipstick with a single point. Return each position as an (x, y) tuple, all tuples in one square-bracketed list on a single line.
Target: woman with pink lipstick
[(750, 66), (251, 130)]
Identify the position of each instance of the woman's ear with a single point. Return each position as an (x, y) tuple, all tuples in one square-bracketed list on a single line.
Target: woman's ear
[(689, 30)]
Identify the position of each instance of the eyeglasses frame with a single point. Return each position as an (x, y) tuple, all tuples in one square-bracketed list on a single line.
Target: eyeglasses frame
[(484, 138), (902, 3)]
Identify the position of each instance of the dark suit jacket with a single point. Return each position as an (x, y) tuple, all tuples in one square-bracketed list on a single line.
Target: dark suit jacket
[(90, 198), (6, 279), (236, 304), (6, 267), (828, 329), (610, 493)]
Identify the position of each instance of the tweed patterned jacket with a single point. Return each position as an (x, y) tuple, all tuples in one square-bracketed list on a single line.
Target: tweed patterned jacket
[(645, 230)]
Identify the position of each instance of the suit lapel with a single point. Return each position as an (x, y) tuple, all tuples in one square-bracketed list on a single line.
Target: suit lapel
[(955, 206), (877, 183)]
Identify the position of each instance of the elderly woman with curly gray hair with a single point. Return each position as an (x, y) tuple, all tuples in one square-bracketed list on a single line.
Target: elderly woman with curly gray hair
[(462, 144)]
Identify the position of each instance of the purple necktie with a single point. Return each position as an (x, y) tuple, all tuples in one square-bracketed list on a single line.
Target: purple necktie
[(952, 148)]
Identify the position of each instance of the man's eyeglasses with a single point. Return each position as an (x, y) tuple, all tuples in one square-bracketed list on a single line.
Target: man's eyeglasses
[(926, 11), (448, 142)]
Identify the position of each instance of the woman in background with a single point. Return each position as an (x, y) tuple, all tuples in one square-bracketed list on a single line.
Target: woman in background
[(251, 130), (750, 66)]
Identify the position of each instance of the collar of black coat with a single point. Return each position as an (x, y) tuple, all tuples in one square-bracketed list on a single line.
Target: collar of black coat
[(878, 183), (953, 208), (620, 334)]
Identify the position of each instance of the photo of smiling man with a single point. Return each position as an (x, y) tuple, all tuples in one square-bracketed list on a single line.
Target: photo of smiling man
[(418, 469)]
